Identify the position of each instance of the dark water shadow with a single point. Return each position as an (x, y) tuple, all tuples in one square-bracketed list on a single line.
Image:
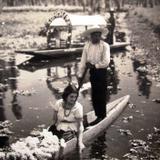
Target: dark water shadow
[(98, 148), (143, 82), (3, 88), (37, 63), (13, 73)]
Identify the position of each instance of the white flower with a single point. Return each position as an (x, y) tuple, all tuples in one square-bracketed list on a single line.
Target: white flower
[(41, 155), (2, 156), (32, 142)]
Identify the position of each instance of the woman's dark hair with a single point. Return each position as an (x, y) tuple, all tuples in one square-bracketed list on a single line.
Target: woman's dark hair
[(71, 88)]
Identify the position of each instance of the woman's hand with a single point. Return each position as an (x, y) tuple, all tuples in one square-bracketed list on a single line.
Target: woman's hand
[(81, 146)]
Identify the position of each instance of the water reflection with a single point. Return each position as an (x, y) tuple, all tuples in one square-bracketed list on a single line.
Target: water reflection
[(13, 74), (3, 88), (2, 110), (69, 73), (112, 78), (98, 148), (16, 108), (144, 86), (59, 72), (38, 63), (8, 79), (70, 70), (143, 82), (52, 76)]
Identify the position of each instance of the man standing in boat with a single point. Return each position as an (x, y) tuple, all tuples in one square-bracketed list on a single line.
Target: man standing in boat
[(96, 57), (110, 37)]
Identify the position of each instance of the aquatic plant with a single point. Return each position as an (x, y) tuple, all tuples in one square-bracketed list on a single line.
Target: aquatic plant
[(42, 147)]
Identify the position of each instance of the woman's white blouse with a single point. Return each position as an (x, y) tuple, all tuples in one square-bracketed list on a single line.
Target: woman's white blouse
[(72, 115)]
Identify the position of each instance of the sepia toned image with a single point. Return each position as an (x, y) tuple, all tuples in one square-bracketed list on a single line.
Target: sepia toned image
[(79, 79)]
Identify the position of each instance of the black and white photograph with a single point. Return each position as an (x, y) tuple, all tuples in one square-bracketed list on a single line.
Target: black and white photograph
[(79, 79)]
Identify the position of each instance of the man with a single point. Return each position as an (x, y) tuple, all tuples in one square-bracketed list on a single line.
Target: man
[(96, 57), (111, 26)]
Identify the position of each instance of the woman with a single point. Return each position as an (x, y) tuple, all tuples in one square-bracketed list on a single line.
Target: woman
[(68, 116)]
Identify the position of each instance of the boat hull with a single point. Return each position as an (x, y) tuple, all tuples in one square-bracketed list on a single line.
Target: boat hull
[(56, 53), (114, 109)]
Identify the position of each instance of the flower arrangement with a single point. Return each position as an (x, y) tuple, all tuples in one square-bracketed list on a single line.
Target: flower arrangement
[(43, 147)]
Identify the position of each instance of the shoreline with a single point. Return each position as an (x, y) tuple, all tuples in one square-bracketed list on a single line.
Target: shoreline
[(145, 43)]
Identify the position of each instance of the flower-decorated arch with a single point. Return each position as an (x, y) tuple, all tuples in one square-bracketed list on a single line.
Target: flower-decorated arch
[(62, 14)]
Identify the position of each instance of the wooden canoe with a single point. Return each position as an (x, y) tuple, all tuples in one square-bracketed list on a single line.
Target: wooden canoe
[(114, 109), (56, 53)]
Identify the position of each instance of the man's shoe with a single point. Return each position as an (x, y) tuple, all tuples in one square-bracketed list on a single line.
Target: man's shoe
[(95, 121)]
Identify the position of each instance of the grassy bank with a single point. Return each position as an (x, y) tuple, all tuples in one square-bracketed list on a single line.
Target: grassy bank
[(144, 39), (150, 14)]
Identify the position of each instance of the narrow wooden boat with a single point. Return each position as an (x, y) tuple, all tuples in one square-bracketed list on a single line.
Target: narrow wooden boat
[(64, 35), (114, 109), (63, 52)]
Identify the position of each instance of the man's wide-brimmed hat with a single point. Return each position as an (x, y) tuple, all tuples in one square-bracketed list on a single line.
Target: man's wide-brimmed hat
[(102, 30)]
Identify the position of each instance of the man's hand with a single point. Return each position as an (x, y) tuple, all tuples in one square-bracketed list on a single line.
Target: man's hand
[(89, 65)]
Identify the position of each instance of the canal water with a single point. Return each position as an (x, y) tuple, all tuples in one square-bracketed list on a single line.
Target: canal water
[(28, 84)]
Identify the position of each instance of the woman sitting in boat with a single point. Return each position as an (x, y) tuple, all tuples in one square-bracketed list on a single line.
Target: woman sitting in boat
[(68, 116)]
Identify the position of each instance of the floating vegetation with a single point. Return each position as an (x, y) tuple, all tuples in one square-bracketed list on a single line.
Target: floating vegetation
[(42, 147), (156, 100), (141, 149), (4, 128), (127, 119), (125, 132), (24, 92), (3, 87), (5, 133), (132, 106)]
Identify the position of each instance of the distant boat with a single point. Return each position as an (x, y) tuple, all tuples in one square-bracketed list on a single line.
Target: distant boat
[(64, 37), (56, 53)]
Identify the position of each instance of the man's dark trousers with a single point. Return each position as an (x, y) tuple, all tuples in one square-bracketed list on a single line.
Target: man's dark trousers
[(98, 79)]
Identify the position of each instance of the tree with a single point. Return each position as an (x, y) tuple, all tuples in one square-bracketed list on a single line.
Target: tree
[(84, 4), (1, 5), (106, 3), (117, 3), (10, 2), (157, 2), (151, 3)]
